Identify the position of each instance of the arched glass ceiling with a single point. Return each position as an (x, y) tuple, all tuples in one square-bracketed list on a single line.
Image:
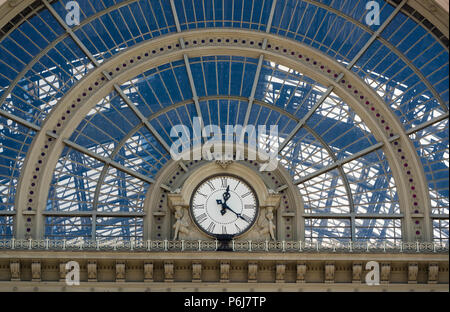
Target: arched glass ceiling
[(363, 186), (406, 65), (407, 72)]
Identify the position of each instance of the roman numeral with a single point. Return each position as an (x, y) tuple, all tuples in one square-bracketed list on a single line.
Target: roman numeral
[(211, 185), (201, 217), (204, 195), (249, 206), (237, 228), (237, 185), (199, 206), (246, 194), (211, 227), (247, 218), (224, 182), (224, 229)]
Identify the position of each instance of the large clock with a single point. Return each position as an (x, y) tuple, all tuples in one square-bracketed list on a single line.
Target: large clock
[(224, 205)]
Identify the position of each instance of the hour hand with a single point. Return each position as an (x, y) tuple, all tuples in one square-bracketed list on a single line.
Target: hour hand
[(223, 210)]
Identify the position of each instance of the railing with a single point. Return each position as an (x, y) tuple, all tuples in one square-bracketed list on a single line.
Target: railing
[(235, 245)]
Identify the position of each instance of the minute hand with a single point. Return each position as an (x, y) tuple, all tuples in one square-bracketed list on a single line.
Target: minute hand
[(237, 214)]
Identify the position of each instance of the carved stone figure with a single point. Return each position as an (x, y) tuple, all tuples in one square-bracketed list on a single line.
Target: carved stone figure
[(182, 224), (267, 227)]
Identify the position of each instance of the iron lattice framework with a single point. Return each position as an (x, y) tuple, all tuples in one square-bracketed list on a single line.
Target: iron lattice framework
[(361, 111)]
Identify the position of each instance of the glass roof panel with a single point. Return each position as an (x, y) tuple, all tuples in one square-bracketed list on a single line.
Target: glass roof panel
[(327, 230), (26, 41), (216, 74), (313, 25), (304, 154), (159, 88), (197, 14), (441, 231), (6, 227), (419, 46), (68, 227), (105, 125), (223, 112), (287, 89), (142, 153), (340, 127), (325, 194), (376, 230), (398, 85), (74, 182), (372, 185), (105, 31), (123, 228), (121, 193), (44, 78), (432, 146), (87, 7)]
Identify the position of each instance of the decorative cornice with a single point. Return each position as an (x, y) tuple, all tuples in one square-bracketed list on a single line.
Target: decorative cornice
[(155, 270)]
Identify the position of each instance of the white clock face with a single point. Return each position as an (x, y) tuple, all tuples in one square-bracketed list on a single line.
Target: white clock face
[(224, 205)]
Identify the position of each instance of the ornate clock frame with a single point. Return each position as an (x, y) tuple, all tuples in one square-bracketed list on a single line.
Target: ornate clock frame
[(178, 202)]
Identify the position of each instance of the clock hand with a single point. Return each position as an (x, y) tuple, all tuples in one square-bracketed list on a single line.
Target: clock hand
[(237, 214), (222, 211), (225, 206), (226, 196)]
